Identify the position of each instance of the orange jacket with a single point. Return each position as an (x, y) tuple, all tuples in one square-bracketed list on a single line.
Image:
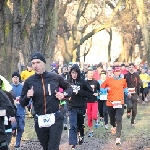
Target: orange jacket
[(116, 90)]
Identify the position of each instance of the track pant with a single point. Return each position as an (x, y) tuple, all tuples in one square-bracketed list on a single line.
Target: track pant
[(20, 128), (76, 121), (132, 106), (103, 110), (144, 92), (50, 137), (115, 115), (92, 112), (3, 145)]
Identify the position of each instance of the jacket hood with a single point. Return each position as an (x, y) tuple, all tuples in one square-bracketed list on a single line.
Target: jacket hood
[(75, 67)]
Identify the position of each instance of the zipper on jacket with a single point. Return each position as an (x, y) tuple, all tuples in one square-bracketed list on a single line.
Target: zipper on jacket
[(44, 94)]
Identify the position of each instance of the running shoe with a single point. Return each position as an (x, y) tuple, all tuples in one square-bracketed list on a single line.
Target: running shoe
[(146, 100), (96, 125), (73, 147), (65, 127), (143, 103), (128, 115), (113, 130), (90, 134), (106, 126), (81, 140), (101, 123), (118, 142), (133, 125)]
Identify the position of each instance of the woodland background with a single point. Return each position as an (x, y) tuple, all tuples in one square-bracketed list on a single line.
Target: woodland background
[(60, 28)]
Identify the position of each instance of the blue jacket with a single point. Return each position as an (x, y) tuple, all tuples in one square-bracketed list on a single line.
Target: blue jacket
[(17, 89), (102, 90)]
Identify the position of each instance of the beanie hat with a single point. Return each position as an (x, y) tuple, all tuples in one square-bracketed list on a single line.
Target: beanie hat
[(38, 55), (16, 74)]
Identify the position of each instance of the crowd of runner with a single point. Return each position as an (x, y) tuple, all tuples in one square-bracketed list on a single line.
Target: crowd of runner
[(59, 100)]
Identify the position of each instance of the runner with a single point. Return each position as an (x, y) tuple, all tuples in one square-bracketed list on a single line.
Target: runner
[(133, 82), (92, 104), (28, 72), (103, 110), (144, 90), (20, 114), (43, 87), (96, 75), (123, 69), (109, 72), (77, 105), (116, 87), (6, 109), (25, 75)]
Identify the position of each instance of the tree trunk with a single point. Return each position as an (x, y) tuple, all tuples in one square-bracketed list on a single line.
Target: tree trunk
[(109, 45), (2, 40), (142, 19), (16, 47)]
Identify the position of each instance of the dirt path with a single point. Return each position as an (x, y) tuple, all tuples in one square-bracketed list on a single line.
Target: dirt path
[(137, 138)]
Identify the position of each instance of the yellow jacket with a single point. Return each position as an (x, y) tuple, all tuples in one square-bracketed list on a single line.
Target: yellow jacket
[(26, 74), (145, 79)]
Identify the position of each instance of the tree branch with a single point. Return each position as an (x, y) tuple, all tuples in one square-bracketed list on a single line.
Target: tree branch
[(108, 24)]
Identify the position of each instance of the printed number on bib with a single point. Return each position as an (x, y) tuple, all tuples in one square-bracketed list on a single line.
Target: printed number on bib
[(46, 120), (117, 104), (103, 97)]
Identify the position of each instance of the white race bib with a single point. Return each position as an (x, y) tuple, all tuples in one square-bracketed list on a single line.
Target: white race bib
[(46, 120), (131, 90), (117, 104), (3, 112), (103, 97), (5, 120)]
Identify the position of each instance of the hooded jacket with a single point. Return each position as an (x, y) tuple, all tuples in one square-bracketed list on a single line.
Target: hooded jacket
[(78, 100)]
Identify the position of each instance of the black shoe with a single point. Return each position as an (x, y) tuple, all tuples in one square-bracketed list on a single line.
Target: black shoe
[(16, 146), (65, 127), (81, 140)]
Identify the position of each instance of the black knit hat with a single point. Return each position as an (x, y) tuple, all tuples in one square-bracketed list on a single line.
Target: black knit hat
[(38, 55), (15, 74)]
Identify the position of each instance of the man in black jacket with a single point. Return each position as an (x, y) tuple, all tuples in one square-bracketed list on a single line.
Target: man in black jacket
[(77, 105), (133, 83), (43, 87), (6, 109)]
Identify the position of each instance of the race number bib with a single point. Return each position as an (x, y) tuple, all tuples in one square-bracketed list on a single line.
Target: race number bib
[(46, 120), (103, 97), (5, 120), (75, 88), (131, 90), (117, 104), (3, 112)]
